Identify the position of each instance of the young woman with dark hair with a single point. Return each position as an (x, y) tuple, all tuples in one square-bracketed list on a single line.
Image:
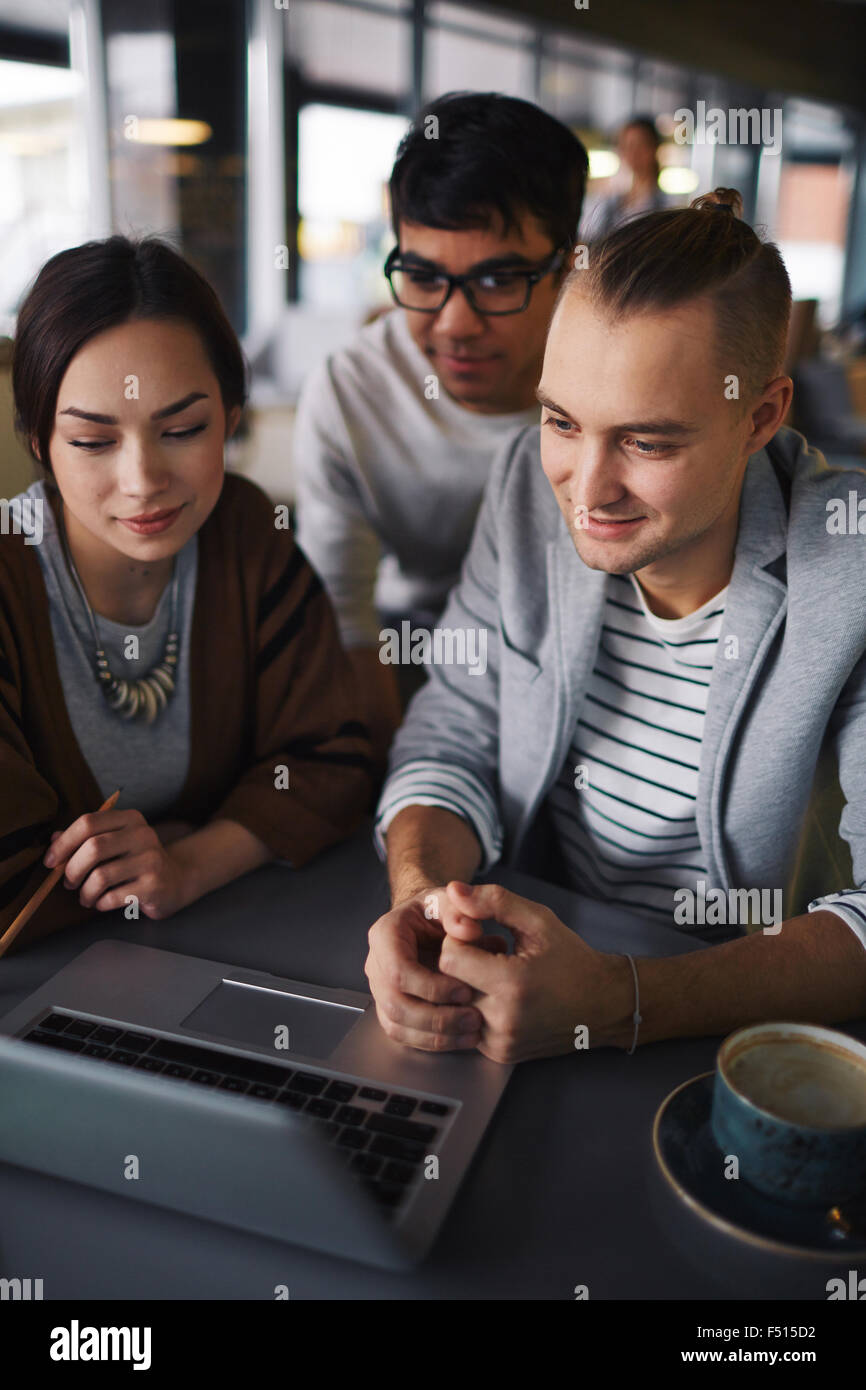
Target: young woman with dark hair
[(159, 631), (637, 146)]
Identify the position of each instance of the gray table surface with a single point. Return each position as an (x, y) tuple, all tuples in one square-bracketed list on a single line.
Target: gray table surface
[(563, 1192)]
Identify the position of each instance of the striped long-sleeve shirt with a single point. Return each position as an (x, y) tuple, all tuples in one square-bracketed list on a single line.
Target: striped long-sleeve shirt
[(623, 808)]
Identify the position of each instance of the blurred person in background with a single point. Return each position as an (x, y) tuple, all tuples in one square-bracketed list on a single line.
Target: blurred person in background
[(395, 434), (637, 147)]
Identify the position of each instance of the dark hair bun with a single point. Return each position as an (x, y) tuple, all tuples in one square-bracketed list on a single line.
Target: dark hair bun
[(721, 199)]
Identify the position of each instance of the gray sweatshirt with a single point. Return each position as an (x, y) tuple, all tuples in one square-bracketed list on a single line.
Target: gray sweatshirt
[(148, 761), (389, 478)]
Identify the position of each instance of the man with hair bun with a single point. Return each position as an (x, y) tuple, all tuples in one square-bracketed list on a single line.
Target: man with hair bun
[(675, 700)]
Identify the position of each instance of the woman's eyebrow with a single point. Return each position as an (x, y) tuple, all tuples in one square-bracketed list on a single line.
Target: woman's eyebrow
[(174, 409), (180, 405), (89, 415)]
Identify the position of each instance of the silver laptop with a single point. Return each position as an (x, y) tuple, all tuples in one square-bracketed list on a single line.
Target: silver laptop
[(238, 1096)]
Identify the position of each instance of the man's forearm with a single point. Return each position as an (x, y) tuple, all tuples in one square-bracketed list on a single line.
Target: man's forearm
[(428, 846), (813, 970)]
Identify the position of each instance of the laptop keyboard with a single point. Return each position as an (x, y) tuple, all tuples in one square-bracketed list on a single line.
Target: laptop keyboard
[(383, 1136)]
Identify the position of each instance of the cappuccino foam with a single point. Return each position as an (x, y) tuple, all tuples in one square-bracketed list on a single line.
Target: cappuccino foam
[(805, 1083)]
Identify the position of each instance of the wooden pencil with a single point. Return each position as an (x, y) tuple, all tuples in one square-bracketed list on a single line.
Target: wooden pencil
[(43, 890)]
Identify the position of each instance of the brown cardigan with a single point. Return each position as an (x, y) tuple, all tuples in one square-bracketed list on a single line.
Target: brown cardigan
[(270, 685)]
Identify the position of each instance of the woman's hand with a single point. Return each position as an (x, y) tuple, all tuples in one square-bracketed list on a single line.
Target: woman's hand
[(112, 855)]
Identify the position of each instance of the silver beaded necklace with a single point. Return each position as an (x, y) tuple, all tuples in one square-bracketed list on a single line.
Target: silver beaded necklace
[(148, 696)]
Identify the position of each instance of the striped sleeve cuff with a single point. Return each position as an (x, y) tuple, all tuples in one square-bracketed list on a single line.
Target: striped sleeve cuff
[(426, 782), (850, 905)]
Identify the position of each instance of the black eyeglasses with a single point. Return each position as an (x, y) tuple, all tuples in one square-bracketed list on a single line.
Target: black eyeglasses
[(426, 289)]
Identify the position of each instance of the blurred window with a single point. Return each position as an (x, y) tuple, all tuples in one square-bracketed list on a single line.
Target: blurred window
[(43, 174), (804, 199), (345, 158), (145, 177), (466, 49), (464, 16), (344, 56), (339, 45), (811, 229), (660, 89)]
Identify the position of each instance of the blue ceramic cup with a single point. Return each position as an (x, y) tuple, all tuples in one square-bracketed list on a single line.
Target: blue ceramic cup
[(789, 1101)]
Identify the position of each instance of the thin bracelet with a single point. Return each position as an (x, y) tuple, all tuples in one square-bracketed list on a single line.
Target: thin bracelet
[(636, 1018)]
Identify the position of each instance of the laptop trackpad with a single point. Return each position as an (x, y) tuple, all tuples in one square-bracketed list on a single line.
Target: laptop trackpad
[(252, 1014)]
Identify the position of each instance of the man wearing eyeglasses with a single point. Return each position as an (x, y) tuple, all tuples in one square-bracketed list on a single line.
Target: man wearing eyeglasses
[(395, 434)]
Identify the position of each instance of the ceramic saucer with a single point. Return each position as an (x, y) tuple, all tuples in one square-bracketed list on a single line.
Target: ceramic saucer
[(693, 1164)]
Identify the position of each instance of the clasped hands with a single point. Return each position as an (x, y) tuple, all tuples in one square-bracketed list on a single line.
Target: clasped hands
[(512, 1008)]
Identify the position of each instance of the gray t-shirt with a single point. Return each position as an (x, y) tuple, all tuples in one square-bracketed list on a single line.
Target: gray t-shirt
[(390, 474), (149, 761)]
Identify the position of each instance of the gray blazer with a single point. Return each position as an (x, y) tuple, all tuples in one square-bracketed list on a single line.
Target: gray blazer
[(785, 731)]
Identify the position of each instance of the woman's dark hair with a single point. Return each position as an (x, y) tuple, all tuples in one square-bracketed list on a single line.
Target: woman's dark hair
[(90, 288), (469, 155), (647, 125), (666, 258)]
